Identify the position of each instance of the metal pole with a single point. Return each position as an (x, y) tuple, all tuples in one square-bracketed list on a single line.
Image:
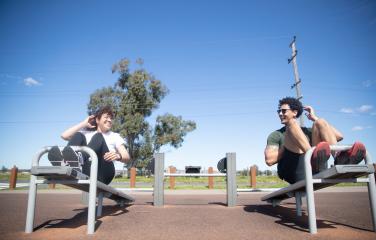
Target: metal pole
[(100, 204), (92, 188), (32, 194), (158, 179), (231, 179), (296, 74), (371, 191), (298, 200), (309, 192), (31, 205)]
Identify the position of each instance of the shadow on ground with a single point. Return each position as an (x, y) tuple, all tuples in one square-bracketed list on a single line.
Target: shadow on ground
[(286, 216), (80, 218)]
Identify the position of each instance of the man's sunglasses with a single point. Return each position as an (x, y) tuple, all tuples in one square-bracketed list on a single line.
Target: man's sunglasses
[(282, 110)]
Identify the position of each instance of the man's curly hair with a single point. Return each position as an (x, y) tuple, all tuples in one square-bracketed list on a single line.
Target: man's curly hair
[(293, 103)]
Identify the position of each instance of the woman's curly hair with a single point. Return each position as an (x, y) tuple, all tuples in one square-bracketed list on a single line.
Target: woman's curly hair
[(98, 115), (103, 110), (293, 103)]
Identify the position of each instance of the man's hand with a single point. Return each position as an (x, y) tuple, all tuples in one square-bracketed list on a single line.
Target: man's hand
[(310, 113)]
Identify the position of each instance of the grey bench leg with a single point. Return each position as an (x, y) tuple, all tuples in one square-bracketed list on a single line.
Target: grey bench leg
[(298, 199), (309, 192), (85, 198), (31, 205), (372, 198), (275, 202), (100, 204), (121, 203)]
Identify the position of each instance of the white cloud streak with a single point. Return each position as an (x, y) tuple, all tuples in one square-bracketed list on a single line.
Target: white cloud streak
[(31, 82), (368, 83), (362, 109), (365, 108), (357, 128), (360, 128), (346, 110)]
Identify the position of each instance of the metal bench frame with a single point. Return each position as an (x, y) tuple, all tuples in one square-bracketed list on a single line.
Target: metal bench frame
[(81, 182), (159, 176), (325, 179)]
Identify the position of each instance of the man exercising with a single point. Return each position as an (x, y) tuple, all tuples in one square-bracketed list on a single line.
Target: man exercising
[(286, 145)]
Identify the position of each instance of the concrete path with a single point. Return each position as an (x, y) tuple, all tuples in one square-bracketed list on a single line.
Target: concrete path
[(341, 214)]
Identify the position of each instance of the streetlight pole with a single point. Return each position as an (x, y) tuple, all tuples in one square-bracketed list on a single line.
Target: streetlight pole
[(298, 81)]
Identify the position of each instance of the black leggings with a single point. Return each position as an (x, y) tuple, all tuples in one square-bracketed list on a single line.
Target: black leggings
[(106, 169)]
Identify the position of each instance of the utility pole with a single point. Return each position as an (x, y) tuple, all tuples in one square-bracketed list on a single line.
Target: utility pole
[(298, 81)]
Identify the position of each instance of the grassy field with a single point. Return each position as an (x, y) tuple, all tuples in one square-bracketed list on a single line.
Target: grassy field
[(20, 176), (188, 182)]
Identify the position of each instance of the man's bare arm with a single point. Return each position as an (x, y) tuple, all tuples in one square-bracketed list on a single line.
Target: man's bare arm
[(298, 140), (273, 154)]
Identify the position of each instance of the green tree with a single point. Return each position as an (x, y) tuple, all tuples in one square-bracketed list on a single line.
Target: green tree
[(171, 130), (4, 169), (268, 172), (134, 97)]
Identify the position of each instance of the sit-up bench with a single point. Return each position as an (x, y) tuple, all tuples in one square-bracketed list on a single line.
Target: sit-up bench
[(326, 178), (72, 177)]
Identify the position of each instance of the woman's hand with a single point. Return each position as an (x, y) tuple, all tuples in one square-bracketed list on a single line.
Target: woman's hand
[(111, 156), (90, 122)]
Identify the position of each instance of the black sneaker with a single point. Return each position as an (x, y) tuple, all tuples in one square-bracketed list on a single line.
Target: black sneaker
[(55, 156), (72, 158)]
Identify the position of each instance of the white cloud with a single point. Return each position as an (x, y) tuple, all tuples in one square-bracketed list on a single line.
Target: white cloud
[(368, 83), (31, 82), (360, 128), (347, 110), (357, 128), (362, 109), (365, 108)]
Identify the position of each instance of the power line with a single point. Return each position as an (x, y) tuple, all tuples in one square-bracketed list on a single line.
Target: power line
[(175, 43), (218, 114)]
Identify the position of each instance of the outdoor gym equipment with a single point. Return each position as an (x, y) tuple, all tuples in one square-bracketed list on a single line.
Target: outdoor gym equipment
[(326, 178), (71, 177), (159, 176)]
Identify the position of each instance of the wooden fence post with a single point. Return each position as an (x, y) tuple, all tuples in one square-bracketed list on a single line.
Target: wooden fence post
[(172, 179), (133, 177), (210, 179), (253, 172), (13, 178)]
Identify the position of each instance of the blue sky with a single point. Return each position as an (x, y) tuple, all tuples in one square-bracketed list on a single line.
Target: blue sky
[(224, 62)]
